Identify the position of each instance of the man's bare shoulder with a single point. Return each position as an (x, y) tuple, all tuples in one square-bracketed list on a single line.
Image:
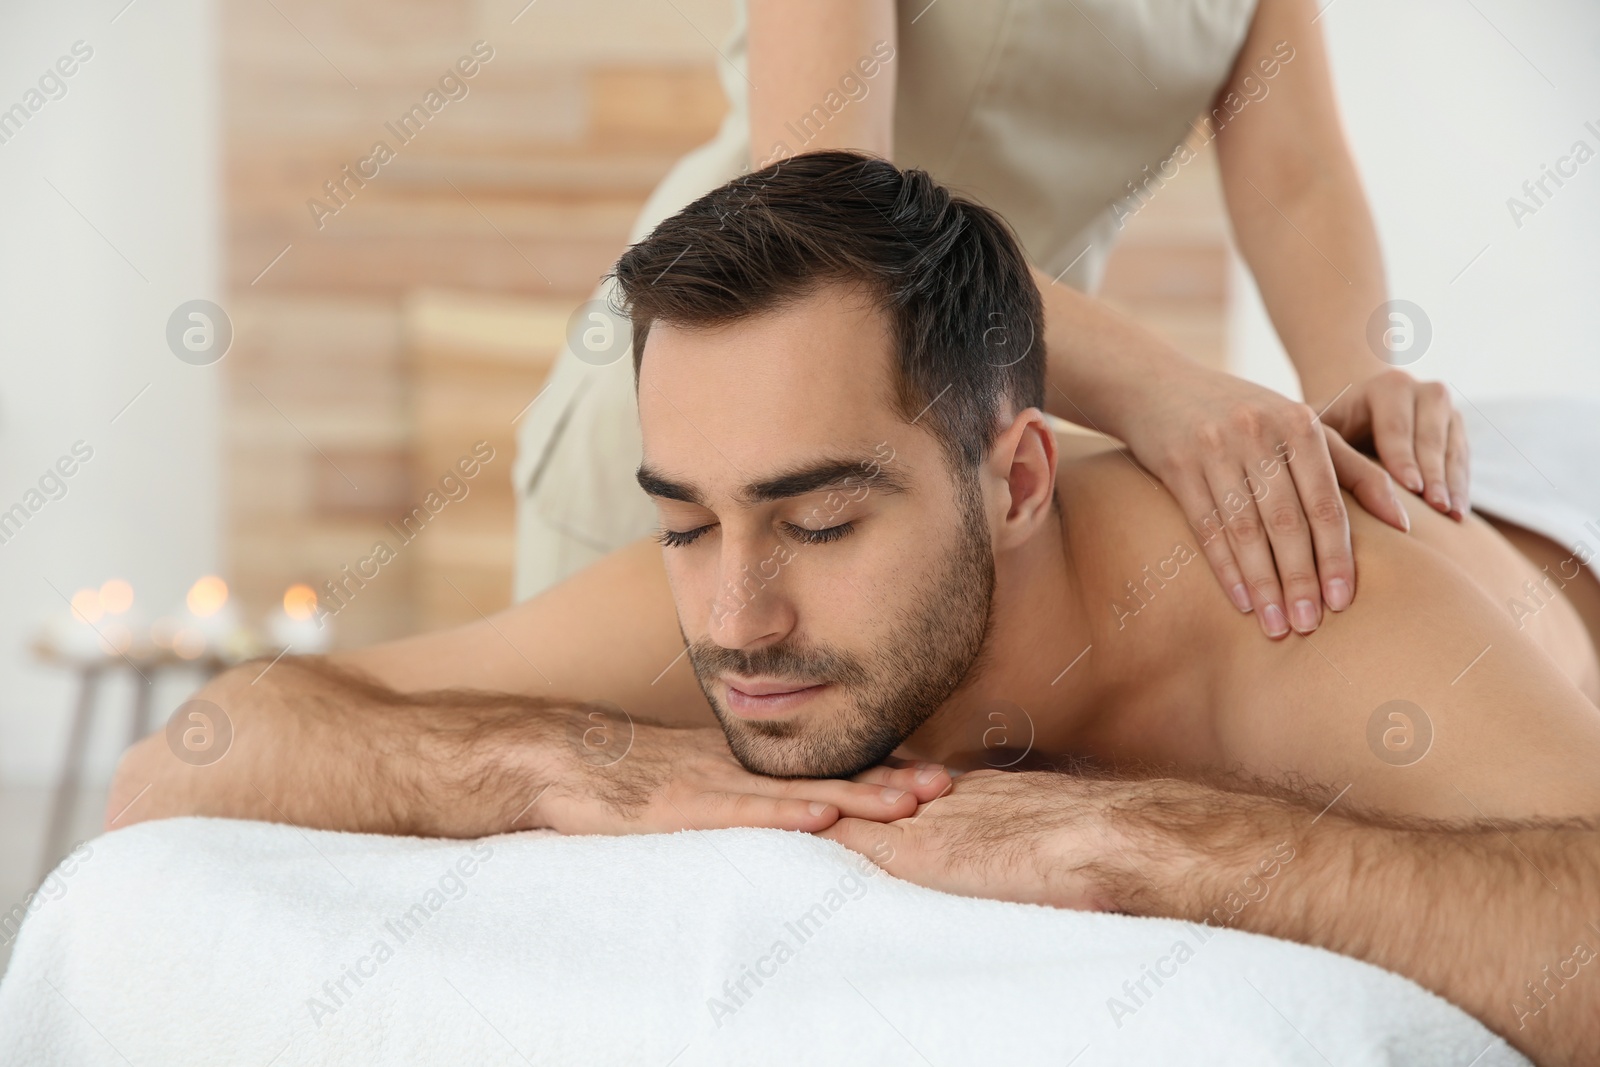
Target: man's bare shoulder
[(1130, 546), (1158, 618)]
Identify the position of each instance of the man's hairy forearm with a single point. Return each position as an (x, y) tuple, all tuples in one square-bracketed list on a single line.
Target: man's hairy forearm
[(1502, 919), (323, 747)]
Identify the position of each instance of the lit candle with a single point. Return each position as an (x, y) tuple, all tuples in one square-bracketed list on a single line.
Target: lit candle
[(116, 629), (78, 636), (116, 596), (210, 622), (298, 626)]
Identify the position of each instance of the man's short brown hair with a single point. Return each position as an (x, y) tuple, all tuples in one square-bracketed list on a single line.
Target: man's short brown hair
[(964, 312)]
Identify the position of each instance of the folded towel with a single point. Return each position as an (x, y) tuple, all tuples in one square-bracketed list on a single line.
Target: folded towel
[(214, 941)]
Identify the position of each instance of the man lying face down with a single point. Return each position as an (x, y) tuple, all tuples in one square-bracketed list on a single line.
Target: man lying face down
[(872, 549), (874, 564)]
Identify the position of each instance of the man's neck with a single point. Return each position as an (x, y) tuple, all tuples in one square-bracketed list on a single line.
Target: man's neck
[(1034, 685)]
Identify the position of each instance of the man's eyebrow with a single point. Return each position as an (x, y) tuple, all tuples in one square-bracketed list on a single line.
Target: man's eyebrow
[(838, 473), (658, 485), (833, 473)]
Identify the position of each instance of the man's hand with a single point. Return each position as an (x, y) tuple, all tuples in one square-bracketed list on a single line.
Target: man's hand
[(1257, 476), (1036, 837), (620, 776), (1415, 431)]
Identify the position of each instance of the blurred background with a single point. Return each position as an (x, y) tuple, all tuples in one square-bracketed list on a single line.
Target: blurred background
[(381, 327)]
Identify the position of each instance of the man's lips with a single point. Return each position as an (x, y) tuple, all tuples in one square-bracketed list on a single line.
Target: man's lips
[(756, 699)]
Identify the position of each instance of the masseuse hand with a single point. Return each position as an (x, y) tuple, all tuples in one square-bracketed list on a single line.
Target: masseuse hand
[(1265, 472), (634, 777), (1415, 430)]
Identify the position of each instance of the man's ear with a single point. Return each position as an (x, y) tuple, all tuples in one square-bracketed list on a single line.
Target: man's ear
[(1023, 462)]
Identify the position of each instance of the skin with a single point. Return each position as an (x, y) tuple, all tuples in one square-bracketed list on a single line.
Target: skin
[(1302, 225), (1234, 745)]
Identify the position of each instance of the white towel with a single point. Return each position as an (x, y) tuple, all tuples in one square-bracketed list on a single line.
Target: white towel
[(1534, 463), (212, 941)]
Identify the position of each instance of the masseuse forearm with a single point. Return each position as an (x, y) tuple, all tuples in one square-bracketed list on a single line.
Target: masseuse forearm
[(1310, 243), (315, 746), (1102, 365), (1475, 914), (1293, 194), (822, 76)]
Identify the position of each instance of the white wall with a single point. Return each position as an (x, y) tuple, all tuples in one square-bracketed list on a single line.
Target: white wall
[(133, 147), (1450, 106)]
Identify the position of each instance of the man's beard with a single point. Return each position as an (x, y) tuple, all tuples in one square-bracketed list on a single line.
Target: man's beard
[(932, 650)]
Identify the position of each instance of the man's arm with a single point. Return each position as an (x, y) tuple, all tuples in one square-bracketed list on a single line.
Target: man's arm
[(337, 746), (311, 744), (583, 691), (324, 747), (1502, 918)]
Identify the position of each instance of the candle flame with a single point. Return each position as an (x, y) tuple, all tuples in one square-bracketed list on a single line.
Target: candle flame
[(86, 606), (299, 602), (116, 596), (207, 596)]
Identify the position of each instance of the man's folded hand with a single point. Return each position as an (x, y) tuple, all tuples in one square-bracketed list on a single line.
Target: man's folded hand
[(627, 776)]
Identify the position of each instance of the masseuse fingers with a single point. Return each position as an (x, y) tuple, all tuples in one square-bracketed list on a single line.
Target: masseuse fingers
[(1300, 522), (1367, 482), (1209, 521), (1394, 421), (1248, 538), (1456, 467), (1316, 484), (1433, 414)]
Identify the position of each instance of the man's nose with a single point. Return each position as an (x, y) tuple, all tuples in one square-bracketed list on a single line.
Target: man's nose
[(750, 607)]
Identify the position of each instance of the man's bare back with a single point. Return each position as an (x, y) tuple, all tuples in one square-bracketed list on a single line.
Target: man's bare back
[(1496, 724)]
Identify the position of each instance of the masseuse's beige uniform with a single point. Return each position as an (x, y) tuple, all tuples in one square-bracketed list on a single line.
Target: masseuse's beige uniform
[(1045, 110)]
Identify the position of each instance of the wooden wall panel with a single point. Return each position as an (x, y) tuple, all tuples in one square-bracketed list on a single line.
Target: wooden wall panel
[(349, 362)]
